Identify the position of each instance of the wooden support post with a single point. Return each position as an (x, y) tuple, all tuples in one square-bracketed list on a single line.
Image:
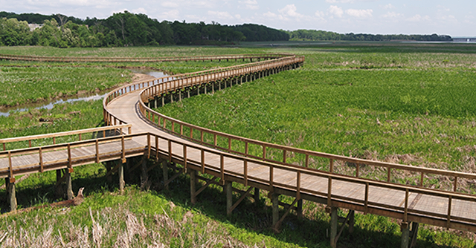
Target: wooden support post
[(120, 171), (351, 221), (144, 177), (299, 208), (275, 202), (229, 197), (414, 234), (334, 222), (69, 185), (256, 195), (165, 172), (405, 234), (193, 186), (12, 199)]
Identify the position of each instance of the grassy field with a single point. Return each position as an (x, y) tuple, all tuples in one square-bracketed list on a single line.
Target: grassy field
[(396, 103)]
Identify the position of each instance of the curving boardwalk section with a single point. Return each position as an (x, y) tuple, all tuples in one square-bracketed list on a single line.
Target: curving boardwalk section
[(230, 158)]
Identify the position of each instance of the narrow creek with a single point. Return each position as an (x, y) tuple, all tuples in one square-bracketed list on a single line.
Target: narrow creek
[(86, 97)]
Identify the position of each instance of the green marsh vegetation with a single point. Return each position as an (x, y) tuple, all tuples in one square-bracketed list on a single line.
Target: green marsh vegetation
[(319, 90)]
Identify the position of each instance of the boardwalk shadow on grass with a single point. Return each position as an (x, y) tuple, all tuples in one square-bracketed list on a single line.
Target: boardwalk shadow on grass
[(257, 217), (254, 217)]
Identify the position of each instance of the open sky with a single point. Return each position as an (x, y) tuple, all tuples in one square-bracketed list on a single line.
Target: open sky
[(449, 17)]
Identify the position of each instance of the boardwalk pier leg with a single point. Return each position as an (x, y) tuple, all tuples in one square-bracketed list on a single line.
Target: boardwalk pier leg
[(69, 184), (334, 221), (229, 197), (120, 171), (165, 172), (351, 221), (275, 202), (193, 186), (414, 234), (256, 195), (405, 234), (299, 209), (11, 194)]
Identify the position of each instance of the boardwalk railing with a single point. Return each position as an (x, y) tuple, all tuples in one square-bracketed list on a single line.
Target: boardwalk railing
[(218, 163), (118, 129), (176, 150), (286, 155), (237, 57), (213, 74), (36, 159)]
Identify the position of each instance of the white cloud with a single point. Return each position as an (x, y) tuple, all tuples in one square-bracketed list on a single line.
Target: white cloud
[(389, 6), (290, 10), (250, 4), (334, 10), (220, 15), (392, 15), (170, 4), (360, 13), (418, 18), (270, 15)]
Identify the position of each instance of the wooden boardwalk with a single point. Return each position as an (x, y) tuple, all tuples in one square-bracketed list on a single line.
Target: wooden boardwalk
[(167, 139)]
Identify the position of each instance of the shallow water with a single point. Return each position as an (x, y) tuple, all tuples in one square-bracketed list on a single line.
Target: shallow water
[(87, 97)]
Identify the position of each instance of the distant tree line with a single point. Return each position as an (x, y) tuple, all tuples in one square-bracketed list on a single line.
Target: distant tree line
[(319, 35), (124, 29)]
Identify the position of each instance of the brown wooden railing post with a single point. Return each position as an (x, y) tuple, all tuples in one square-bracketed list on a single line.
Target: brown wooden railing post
[(329, 190), (156, 148), (41, 159), (10, 167), (70, 159), (298, 185), (448, 220), (170, 150), (124, 150), (388, 173), (185, 157), (222, 169), (202, 160), (97, 151)]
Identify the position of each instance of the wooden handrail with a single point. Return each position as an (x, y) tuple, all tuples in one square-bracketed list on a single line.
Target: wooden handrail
[(67, 133)]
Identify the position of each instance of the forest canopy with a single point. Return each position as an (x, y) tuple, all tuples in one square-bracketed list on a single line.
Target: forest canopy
[(129, 29), (124, 29)]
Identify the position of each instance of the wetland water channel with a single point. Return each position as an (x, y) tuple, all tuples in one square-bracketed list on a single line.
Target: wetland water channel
[(86, 97)]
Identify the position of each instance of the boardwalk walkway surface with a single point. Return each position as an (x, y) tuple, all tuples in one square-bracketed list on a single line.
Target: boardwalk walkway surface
[(162, 137)]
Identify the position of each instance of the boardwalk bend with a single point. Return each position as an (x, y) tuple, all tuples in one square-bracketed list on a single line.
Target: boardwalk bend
[(134, 129)]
